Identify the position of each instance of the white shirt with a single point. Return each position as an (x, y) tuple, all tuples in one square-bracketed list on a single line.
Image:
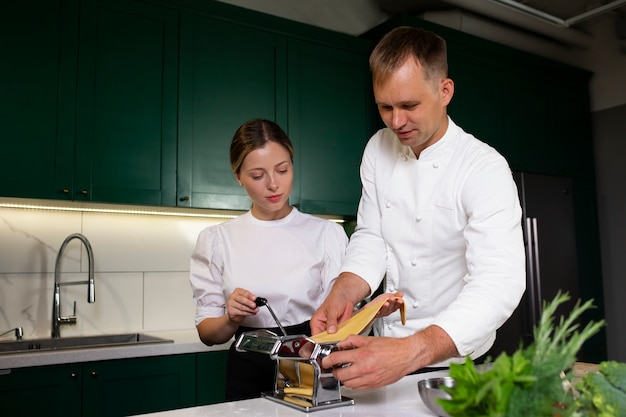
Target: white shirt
[(291, 261), (446, 231)]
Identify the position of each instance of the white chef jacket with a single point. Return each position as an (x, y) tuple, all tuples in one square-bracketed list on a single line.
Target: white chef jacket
[(290, 261), (445, 229)]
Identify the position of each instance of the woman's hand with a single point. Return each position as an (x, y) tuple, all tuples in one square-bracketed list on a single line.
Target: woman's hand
[(240, 304)]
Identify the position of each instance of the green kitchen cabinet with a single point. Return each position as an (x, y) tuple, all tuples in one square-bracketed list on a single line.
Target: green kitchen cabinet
[(105, 388), (54, 391), (331, 117), (89, 101), (39, 41), (136, 102), (126, 104), (571, 119), (476, 104), (139, 385), (229, 73), (211, 377), (313, 83)]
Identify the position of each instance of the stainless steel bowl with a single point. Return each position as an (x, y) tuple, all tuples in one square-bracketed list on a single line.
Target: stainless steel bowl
[(430, 390)]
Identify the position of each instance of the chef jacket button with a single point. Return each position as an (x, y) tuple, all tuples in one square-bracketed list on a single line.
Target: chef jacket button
[(390, 326), (414, 262), (416, 304), (418, 218), (403, 156), (387, 204), (435, 164)]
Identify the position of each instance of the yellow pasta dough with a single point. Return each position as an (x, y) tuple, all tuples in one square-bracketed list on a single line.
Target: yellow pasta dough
[(359, 322)]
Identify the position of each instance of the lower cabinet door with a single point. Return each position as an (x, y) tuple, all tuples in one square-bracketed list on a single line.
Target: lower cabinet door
[(41, 391), (137, 386), (211, 380)]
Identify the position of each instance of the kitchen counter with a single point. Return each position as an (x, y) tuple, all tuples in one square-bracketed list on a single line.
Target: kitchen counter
[(400, 399), (185, 341)]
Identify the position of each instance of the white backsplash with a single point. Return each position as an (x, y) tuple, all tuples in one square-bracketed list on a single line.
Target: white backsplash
[(141, 267)]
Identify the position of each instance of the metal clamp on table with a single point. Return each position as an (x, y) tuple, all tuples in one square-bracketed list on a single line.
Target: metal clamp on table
[(300, 380)]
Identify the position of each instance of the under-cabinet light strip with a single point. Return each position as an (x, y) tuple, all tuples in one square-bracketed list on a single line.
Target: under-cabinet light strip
[(117, 211), (155, 212)]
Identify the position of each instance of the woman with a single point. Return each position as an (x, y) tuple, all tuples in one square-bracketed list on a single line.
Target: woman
[(272, 251)]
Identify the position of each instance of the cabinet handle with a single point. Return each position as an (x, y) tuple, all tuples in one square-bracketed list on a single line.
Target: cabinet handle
[(94, 374), (185, 198), (83, 192), (65, 191), (73, 375)]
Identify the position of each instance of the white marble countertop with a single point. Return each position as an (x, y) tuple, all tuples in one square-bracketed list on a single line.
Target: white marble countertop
[(185, 341), (400, 399)]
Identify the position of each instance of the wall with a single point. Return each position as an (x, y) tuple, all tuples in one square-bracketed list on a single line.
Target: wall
[(607, 60), (610, 150), (141, 271)]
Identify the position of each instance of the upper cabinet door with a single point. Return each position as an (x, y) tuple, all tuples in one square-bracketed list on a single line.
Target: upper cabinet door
[(126, 103), (331, 117), (229, 73), (38, 45)]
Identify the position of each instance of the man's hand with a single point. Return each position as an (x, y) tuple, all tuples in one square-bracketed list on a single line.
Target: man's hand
[(394, 302), (366, 362), (372, 362), (347, 290), (334, 310)]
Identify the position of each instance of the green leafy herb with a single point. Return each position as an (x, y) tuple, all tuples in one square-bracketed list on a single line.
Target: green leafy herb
[(527, 383), (603, 393)]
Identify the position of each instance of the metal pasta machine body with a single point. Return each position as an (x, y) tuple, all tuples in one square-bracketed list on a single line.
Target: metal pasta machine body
[(300, 381)]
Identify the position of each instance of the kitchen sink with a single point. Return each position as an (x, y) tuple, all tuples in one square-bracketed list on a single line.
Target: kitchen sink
[(79, 342)]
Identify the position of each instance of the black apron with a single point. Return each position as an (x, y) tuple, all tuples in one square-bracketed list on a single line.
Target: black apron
[(248, 374)]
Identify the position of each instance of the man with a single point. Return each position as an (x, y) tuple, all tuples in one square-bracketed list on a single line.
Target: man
[(439, 216)]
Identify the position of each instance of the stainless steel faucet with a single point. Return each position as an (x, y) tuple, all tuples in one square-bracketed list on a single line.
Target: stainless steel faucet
[(18, 331), (57, 319)]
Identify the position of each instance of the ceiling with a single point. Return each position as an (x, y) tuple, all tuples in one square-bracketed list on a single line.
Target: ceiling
[(552, 28), (561, 21), (565, 13)]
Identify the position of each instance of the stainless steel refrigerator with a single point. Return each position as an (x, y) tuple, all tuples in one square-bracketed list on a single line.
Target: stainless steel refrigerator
[(551, 258)]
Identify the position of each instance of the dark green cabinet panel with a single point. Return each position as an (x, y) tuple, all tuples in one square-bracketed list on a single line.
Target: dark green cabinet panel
[(126, 112), (571, 119), (137, 101), (38, 44), (476, 104), (141, 385), (116, 387), (228, 75), (89, 113), (211, 377), (530, 144), (42, 391), (318, 92), (330, 120)]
